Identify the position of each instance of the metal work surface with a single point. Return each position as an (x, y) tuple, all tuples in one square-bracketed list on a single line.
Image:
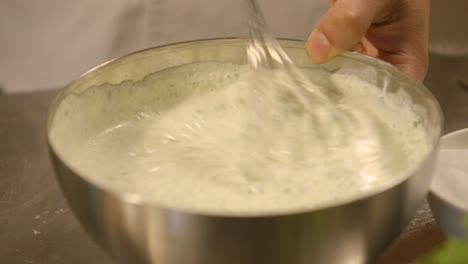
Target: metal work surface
[(36, 225)]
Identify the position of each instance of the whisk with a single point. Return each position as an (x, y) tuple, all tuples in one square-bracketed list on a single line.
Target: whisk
[(281, 92), (265, 53)]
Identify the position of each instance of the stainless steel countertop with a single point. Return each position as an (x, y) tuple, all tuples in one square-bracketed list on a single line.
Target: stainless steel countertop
[(37, 226)]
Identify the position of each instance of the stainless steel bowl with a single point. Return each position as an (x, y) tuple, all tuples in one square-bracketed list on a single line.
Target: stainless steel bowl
[(134, 231)]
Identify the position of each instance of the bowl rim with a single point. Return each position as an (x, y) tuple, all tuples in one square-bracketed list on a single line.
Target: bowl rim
[(136, 200)]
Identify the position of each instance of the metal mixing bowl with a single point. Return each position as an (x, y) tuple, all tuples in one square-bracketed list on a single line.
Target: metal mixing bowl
[(135, 231)]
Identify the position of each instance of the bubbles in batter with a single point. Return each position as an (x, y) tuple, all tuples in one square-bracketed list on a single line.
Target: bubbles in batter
[(185, 140)]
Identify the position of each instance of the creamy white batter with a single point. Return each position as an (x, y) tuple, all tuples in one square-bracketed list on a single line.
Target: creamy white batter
[(187, 137)]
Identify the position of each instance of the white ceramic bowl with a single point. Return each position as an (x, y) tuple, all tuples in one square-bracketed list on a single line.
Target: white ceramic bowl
[(448, 198)]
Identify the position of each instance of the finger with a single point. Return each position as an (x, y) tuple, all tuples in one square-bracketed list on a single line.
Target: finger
[(359, 47), (404, 43), (342, 27), (414, 62), (365, 47)]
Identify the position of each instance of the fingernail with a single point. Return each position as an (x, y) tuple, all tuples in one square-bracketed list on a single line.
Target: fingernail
[(318, 47)]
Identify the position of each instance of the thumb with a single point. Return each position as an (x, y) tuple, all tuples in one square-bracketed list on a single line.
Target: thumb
[(341, 28)]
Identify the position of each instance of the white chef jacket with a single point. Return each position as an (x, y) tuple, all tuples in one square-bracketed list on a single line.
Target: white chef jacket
[(45, 44)]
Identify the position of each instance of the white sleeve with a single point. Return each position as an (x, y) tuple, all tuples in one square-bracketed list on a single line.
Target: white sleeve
[(182, 20), (46, 44)]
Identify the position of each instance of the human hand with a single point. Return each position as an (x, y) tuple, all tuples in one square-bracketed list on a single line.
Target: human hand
[(395, 31)]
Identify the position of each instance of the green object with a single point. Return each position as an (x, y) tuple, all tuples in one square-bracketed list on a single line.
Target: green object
[(452, 251)]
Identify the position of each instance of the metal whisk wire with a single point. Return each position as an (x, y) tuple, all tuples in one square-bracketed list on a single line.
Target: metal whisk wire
[(282, 92), (265, 53)]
